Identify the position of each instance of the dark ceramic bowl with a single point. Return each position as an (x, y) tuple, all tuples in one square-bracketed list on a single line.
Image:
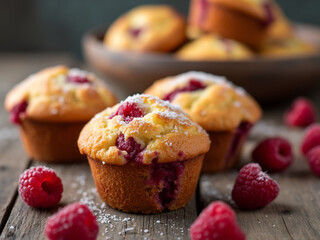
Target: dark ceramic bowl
[(267, 79)]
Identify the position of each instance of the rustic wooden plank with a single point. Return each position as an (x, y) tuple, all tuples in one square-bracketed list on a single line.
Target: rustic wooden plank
[(295, 213), (28, 223), (13, 160)]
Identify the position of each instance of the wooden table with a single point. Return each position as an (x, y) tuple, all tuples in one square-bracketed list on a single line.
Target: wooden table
[(295, 214)]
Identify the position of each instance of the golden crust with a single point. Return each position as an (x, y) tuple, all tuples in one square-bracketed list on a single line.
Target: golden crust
[(214, 47), (162, 29), (52, 99), (164, 132), (220, 106)]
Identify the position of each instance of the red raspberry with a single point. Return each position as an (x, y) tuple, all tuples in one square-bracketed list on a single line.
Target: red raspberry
[(253, 188), (17, 111), (301, 114), (273, 154), (128, 111), (130, 146), (193, 85), (216, 222), (311, 138), (313, 157), (40, 187), (74, 221), (78, 79)]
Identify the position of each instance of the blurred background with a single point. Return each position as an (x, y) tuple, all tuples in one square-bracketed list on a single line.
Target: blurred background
[(58, 25)]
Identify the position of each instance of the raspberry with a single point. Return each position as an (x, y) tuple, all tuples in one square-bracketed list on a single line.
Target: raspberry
[(128, 111), (301, 114), (17, 110), (313, 157), (168, 176), (193, 85), (216, 222), (40, 187), (311, 138), (74, 221), (130, 146), (135, 32), (268, 13), (273, 154), (253, 188)]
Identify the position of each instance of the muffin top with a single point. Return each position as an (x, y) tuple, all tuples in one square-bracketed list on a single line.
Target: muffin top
[(142, 129), (59, 94), (211, 101), (153, 28), (213, 47), (287, 48), (260, 9)]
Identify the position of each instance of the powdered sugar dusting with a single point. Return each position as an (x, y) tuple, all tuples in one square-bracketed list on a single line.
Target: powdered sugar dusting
[(206, 77)]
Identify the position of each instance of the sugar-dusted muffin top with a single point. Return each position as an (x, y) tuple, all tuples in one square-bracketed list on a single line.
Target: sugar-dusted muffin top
[(214, 47), (142, 129), (260, 9), (287, 48), (148, 28), (211, 101), (59, 94)]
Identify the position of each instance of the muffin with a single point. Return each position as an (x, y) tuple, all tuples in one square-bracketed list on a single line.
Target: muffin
[(145, 155), (52, 106), (213, 47), (287, 48), (246, 21), (225, 111), (148, 28)]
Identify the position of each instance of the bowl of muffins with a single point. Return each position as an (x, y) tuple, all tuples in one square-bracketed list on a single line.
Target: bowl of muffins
[(251, 42)]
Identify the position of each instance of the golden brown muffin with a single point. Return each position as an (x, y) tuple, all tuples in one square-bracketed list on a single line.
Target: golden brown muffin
[(149, 28), (51, 107), (246, 21), (145, 154), (225, 111), (213, 47), (287, 48)]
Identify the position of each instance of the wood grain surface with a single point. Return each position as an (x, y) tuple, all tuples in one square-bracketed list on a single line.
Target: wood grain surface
[(293, 215)]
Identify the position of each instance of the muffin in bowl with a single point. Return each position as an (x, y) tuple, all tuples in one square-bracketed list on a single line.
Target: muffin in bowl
[(224, 110), (52, 106), (246, 21), (145, 155), (214, 47), (148, 28)]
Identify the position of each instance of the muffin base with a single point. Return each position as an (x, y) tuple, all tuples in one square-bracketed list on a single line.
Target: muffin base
[(128, 187), (229, 23), (51, 142), (225, 149)]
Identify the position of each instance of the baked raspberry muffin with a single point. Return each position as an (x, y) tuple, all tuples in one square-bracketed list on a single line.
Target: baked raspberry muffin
[(145, 155), (148, 28), (52, 106), (246, 21), (225, 111), (213, 47), (287, 48)]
